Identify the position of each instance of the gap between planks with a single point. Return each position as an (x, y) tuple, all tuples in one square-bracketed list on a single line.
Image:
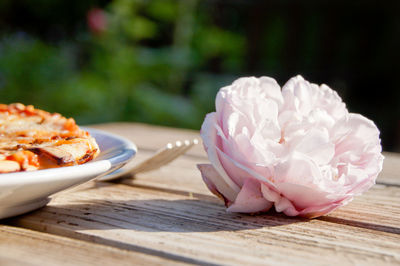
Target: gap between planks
[(132, 217), (19, 246)]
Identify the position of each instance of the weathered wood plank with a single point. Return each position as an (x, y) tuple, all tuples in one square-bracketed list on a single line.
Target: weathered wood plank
[(169, 214), (180, 175), (20, 246), (199, 228), (390, 174)]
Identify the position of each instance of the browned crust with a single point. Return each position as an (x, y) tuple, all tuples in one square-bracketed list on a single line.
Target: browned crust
[(49, 140)]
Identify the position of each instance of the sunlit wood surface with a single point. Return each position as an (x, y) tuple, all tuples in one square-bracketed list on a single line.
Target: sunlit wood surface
[(168, 217)]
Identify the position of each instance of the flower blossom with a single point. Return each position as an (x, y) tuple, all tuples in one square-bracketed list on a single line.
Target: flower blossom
[(296, 148)]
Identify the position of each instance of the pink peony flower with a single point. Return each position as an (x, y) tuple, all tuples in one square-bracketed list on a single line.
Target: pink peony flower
[(297, 149)]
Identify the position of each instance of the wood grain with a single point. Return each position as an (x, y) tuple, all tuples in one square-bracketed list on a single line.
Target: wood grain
[(186, 227), (20, 246), (390, 174), (169, 215)]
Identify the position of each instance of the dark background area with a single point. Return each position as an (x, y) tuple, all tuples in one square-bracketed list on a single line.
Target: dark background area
[(163, 61)]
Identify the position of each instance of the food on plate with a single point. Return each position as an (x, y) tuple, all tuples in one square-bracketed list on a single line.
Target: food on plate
[(32, 139)]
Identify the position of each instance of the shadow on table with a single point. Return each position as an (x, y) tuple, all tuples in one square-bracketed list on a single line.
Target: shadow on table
[(156, 215), (116, 222), (360, 224)]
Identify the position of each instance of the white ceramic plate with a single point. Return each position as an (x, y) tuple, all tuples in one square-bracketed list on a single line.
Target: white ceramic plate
[(25, 191)]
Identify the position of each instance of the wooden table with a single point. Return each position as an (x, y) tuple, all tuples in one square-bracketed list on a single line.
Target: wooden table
[(168, 216)]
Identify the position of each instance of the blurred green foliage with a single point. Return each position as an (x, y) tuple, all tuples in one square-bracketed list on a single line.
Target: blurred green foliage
[(163, 61), (138, 68)]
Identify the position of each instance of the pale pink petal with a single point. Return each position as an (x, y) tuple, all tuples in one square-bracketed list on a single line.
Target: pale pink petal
[(296, 95), (286, 206), (281, 203), (330, 101), (242, 149), (223, 183), (353, 132), (304, 197), (267, 125), (208, 174), (232, 168), (271, 89), (240, 172), (250, 199), (316, 144), (316, 211), (297, 169)]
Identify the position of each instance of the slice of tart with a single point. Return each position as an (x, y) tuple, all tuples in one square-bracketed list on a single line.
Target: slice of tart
[(32, 139)]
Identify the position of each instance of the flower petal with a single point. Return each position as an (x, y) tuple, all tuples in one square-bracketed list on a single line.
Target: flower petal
[(271, 89), (297, 169), (250, 199), (224, 184), (241, 172), (283, 204), (316, 144), (304, 197), (208, 174)]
